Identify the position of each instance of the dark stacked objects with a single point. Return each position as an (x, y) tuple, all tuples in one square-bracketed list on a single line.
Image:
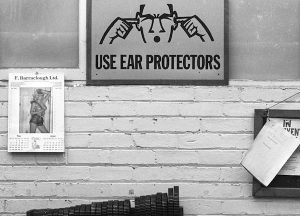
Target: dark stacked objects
[(160, 204)]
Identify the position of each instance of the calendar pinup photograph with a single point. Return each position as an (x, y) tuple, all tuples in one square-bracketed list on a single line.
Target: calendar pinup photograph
[(36, 112)]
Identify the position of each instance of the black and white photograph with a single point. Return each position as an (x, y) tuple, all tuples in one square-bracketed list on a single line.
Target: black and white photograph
[(150, 107), (35, 110)]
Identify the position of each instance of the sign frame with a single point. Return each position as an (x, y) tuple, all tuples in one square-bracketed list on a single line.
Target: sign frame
[(181, 82), (287, 186)]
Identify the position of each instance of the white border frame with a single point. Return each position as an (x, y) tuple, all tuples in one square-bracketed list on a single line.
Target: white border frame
[(70, 73)]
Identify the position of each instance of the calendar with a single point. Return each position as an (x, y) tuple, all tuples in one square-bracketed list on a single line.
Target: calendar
[(36, 112)]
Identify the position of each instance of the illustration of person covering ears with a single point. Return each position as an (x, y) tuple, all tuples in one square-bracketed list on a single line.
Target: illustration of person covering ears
[(156, 26)]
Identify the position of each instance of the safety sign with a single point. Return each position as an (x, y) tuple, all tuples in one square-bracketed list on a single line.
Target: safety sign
[(156, 42)]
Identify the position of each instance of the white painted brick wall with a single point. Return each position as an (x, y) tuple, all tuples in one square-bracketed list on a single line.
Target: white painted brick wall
[(130, 141)]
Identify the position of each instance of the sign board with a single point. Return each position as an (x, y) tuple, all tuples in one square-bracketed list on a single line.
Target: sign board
[(36, 112), (156, 42), (287, 182), (292, 166)]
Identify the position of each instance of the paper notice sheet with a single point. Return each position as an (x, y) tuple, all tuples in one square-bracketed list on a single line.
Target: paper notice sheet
[(292, 166), (270, 150)]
